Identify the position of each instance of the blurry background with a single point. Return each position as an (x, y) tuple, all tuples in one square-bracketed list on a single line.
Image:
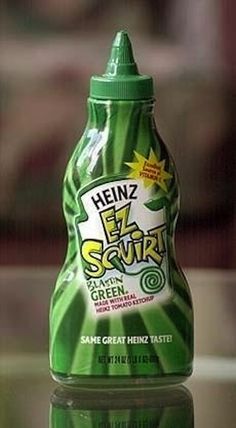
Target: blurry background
[(49, 50)]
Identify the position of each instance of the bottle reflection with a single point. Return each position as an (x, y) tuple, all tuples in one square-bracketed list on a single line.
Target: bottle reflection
[(163, 408)]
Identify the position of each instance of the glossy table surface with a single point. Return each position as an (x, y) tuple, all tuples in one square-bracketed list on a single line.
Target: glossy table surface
[(26, 388)]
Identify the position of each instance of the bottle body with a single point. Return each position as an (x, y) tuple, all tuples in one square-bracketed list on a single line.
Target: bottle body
[(121, 313)]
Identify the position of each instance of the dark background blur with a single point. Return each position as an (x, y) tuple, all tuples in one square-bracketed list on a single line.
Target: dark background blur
[(49, 50)]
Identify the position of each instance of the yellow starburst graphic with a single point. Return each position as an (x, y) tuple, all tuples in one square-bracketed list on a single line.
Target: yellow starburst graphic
[(150, 170)]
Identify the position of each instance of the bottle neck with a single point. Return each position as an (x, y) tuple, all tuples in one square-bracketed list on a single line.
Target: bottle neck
[(106, 113)]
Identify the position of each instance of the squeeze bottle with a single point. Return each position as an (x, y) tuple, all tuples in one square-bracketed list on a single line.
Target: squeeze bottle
[(121, 312)]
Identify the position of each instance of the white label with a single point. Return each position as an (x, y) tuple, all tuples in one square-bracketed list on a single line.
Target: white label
[(123, 247)]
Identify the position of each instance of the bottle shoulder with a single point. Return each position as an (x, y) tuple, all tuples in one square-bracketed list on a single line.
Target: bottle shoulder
[(105, 152)]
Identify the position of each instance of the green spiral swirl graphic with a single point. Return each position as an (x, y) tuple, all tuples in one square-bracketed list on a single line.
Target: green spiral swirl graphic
[(152, 280)]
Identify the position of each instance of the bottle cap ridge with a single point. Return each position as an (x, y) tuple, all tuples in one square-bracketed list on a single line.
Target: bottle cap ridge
[(121, 80)]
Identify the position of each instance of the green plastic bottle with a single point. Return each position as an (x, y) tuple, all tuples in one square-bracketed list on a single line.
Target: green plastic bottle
[(121, 313), (166, 408)]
